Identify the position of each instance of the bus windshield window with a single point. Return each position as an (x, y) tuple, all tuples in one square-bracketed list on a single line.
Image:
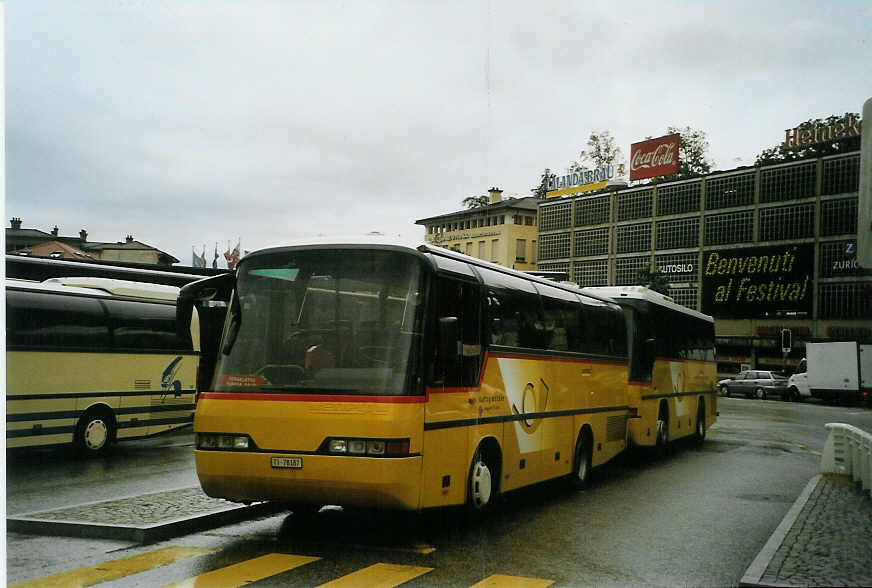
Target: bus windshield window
[(325, 322)]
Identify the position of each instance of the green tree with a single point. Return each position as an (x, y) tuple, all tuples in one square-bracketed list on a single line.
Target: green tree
[(653, 279), (601, 150), (693, 158), (475, 201), (542, 189), (781, 154)]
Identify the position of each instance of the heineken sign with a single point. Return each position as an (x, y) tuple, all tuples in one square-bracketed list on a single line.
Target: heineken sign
[(758, 282), (803, 136)]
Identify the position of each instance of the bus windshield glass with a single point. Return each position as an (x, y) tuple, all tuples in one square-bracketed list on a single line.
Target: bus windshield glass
[(324, 322)]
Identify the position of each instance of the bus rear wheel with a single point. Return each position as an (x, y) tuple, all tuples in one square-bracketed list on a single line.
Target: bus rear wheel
[(699, 436), (582, 462), (662, 441), (94, 432)]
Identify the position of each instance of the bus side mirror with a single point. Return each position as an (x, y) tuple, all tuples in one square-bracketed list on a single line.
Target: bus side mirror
[(215, 288), (448, 337)]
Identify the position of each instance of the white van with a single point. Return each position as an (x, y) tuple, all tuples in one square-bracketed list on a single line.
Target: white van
[(797, 384)]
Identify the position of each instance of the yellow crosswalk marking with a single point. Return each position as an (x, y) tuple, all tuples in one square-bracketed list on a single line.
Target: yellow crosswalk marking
[(111, 570), (247, 571), (502, 581), (379, 575)]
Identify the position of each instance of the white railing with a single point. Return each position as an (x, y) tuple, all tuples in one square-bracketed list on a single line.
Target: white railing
[(848, 452)]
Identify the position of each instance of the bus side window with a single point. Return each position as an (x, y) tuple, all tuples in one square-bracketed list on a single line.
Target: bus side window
[(461, 300), (40, 320)]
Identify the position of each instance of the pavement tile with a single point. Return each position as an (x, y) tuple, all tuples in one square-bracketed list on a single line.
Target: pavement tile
[(829, 542)]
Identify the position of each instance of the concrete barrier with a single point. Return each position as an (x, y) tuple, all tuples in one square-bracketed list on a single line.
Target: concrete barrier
[(848, 452)]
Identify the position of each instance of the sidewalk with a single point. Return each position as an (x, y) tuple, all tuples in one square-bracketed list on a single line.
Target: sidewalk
[(824, 540), (142, 518)]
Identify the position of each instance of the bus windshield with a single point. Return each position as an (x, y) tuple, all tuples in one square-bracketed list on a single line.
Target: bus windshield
[(324, 322)]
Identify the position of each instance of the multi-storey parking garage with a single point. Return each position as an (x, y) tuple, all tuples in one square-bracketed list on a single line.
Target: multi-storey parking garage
[(761, 249)]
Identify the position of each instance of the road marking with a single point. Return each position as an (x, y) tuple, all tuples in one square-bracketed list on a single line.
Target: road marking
[(379, 575), (111, 570), (247, 571), (503, 581)]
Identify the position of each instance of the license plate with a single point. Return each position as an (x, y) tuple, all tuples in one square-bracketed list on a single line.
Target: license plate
[(291, 463)]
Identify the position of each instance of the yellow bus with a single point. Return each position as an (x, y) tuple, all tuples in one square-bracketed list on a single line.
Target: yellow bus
[(385, 376), (93, 360), (673, 373)]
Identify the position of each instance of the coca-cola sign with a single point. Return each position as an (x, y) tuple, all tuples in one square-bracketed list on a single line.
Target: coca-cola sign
[(654, 157)]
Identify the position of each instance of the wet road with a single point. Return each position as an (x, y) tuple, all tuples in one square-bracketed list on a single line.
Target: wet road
[(697, 518)]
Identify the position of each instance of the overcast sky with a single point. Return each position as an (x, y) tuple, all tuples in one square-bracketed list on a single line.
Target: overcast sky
[(191, 123)]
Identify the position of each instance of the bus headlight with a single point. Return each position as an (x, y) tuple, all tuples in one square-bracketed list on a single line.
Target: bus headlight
[(366, 447), (223, 442), (375, 447)]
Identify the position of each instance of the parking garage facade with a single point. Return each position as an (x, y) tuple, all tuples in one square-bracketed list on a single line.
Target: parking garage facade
[(760, 248)]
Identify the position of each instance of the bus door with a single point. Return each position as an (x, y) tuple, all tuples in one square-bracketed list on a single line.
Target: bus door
[(453, 388)]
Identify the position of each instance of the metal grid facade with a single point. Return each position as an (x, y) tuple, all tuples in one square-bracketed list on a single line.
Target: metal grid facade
[(632, 238), (554, 246), (787, 182), (678, 234), (594, 272), (679, 198), (786, 222), (841, 175), (557, 216), (839, 217), (607, 238), (633, 205), (729, 227), (627, 269), (729, 191), (591, 242), (592, 211)]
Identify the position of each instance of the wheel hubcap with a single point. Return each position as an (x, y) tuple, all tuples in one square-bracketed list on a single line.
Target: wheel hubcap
[(96, 434), (481, 485), (661, 432)]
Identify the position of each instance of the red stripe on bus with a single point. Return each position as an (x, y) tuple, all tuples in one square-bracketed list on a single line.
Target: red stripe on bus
[(313, 398)]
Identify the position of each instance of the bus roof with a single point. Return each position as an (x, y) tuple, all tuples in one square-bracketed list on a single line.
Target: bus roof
[(377, 241), (120, 287), (99, 287), (618, 293)]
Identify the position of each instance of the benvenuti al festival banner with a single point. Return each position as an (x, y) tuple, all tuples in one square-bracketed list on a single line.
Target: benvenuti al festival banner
[(758, 282)]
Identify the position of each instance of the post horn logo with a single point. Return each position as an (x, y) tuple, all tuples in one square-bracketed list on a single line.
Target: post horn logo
[(533, 401)]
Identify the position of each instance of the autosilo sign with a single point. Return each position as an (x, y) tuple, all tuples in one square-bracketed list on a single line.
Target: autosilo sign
[(758, 282)]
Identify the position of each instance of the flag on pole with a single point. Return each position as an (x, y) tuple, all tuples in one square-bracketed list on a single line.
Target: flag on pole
[(232, 257)]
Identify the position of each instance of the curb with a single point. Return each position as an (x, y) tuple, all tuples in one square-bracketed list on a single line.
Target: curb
[(758, 567), (43, 523)]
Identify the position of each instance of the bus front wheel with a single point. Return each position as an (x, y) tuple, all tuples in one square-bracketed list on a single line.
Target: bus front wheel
[(94, 432), (483, 482)]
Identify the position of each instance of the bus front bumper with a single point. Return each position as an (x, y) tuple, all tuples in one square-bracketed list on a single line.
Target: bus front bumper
[(383, 483)]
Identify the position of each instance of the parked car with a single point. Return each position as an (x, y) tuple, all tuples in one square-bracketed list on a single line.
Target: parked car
[(756, 383)]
